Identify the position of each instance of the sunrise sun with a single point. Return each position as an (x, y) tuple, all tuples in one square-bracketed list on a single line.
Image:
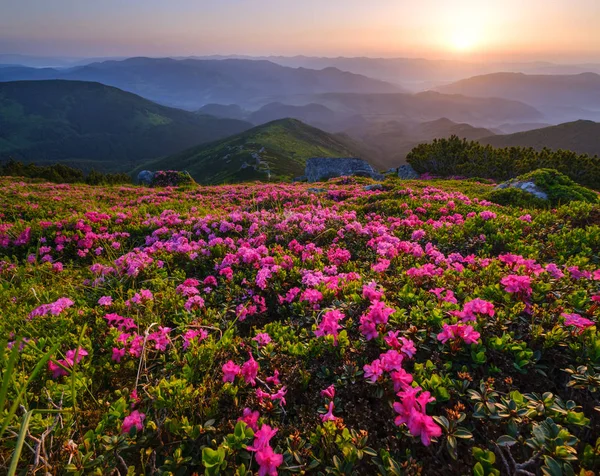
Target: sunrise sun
[(463, 41)]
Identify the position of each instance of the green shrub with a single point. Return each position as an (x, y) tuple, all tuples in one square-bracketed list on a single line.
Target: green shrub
[(517, 198), (459, 157), (60, 173), (559, 188)]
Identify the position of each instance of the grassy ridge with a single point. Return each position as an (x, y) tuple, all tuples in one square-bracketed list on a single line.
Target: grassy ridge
[(283, 147), (89, 125)]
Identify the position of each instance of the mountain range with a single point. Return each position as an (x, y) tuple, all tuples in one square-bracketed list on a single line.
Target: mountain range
[(190, 84), (580, 136), (561, 97), (91, 125), (277, 151)]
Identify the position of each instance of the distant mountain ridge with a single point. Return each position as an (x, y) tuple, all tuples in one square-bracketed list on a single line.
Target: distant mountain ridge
[(581, 136), (426, 106), (390, 142), (90, 125), (190, 84), (418, 74), (274, 151), (559, 96)]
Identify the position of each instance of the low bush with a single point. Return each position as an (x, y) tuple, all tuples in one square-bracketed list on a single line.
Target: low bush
[(459, 157)]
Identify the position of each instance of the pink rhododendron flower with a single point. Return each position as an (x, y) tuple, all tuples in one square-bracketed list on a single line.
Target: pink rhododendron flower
[(391, 360), (477, 306), (487, 215), (338, 256), (262, 438), (554, 271), (329, 325), (250, 418), (329, 392), (250, 370), (411, 411), (191, 334), (160, 338), (71, 357), (402, 379), (517, 284), (379, 313), (193, 303), (370, 292), (105, 301), (381, 265), (262, 338), (368, 328), (54, 308), (329, 416), (420, 424), (118, 354), (268, 461), (408, 347), (458, 331), (274, 379), (230, 371), (313, 296), (577, 321), (227, 272), (280, 395), (417, 235), (373, 371), (135, 419)]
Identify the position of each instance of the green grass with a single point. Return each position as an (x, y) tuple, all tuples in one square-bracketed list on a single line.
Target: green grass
[(89, 125), (284, 146)]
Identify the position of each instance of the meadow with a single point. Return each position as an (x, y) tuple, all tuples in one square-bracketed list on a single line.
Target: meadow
[(284, 329)]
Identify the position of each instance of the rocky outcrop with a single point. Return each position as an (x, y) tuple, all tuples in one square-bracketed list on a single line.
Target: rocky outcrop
[(406, 172), (373, 186), (145, 177), (324, 168), (526, 186)]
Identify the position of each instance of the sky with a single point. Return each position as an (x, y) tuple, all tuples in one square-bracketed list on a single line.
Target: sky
[(482, 30)]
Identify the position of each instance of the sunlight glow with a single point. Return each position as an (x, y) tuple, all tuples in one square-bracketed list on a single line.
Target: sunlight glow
[(463, 41)]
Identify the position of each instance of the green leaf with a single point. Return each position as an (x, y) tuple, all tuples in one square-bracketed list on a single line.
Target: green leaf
[(552, 467), (478, 470), (506, 440), (463, 433)]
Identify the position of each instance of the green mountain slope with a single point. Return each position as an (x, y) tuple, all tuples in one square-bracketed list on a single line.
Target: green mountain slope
[(90, 125), (582, 137), (389, 142), (276, 150)]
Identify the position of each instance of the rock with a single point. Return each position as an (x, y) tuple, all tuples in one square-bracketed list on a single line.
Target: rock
[(526, 186), (406, 172), (316, 190), (145, 177), (324, 168), (374, 186)]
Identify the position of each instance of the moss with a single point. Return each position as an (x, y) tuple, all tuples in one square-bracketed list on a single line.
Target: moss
[(559, 188), (517, 198)]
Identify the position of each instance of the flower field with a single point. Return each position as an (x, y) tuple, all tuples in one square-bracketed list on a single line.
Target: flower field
[(279, 329)]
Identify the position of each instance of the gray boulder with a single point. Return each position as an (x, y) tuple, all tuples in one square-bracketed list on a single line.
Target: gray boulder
[(406, 172), (526, 186), (145, 177), (373, 186), (324, 168)]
